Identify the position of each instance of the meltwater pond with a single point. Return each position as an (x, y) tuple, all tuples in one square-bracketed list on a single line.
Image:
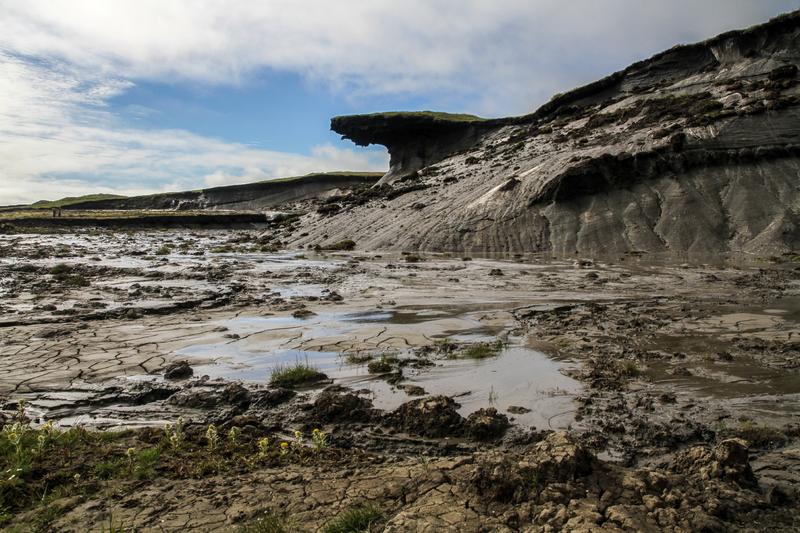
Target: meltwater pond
[(249, 348)]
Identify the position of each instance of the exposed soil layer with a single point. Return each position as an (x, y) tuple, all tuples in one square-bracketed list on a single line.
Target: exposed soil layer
[(693, 150)]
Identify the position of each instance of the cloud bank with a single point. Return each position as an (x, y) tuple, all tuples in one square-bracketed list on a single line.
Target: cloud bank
[(58, 138), (61, 60)]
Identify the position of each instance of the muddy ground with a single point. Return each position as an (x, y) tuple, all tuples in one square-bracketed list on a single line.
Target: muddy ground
[(522, 393)]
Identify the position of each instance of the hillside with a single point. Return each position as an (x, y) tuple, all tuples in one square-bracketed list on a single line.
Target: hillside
[(693, 150), (249, 196)]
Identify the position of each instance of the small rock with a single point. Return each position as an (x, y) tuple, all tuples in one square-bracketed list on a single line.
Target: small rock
[(413, 390), (178, 370), (487, 424), (303, 313), (435, 416)]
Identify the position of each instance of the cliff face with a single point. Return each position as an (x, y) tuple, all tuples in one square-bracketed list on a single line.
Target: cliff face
[(414, 140), (250, 196), (693, 150)]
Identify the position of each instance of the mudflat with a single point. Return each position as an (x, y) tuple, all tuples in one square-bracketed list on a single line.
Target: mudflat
[(188, 380)]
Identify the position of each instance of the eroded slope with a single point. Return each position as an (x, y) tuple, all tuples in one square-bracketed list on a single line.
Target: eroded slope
[(694, 150)]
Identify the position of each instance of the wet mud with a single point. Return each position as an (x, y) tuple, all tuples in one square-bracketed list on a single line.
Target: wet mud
[(521, 393)]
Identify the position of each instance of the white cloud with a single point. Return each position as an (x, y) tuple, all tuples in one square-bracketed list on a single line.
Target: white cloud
[(61, 60), (57, 139), (518, 52)]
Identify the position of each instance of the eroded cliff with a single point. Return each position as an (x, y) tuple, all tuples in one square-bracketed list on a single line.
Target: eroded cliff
[(693, 150)]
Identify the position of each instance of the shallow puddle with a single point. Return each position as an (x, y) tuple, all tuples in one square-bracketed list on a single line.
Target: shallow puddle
[(518, 376)]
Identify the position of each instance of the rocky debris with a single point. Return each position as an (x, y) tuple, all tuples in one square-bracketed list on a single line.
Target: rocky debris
[(331, 296), (267, 399), (559, 458), (335, 405), (178, 370), (412, 390), (504, 477), (205, 397), (486, 424), (729, 461), (303, 313), (434, 416)]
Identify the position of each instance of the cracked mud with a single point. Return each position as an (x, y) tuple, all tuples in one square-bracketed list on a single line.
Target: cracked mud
[(517, 394)]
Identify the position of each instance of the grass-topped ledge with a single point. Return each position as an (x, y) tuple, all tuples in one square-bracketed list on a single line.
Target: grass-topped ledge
[(382, 128)]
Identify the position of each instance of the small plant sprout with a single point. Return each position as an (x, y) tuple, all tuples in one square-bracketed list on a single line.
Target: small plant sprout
[(284, 449), (263, 447), (41, 441), (426, 461), (212, 437), (233, 435), (319, 438), (15, 434), (298, 439), (493, 396), (175, 435), (20, 416), (130, 454)]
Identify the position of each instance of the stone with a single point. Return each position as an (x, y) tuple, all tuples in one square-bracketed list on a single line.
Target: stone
[(178, 370)]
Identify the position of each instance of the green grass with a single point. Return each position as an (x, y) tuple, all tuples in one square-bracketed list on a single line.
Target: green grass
[(290, 376), (382, 365), (630, 369), (354, 520), (27, 212), (40, 467), (481, 350), (322, 174), (146, 463), (269, 523), (445, 346), (358, 358), (759, 436), (436, 116), (70, 200)]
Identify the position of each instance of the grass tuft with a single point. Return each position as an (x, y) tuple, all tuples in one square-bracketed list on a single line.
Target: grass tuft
[(354, 520), (482, 350), (269, 523), (383, 365), (291, 376)]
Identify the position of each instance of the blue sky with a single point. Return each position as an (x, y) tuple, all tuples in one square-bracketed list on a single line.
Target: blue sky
[(146, 96), (273, 109)]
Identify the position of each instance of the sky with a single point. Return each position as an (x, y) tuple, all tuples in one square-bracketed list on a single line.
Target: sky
[(143, 96)]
